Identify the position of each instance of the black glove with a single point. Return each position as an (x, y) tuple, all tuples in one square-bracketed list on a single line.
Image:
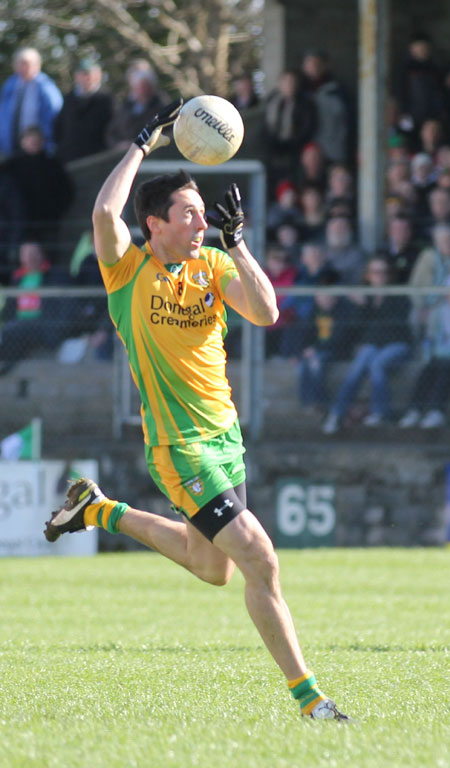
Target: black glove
[(231, 221), (151, 133)]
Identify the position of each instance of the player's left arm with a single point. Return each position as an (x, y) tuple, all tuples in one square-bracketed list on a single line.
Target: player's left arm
[(251, 294)]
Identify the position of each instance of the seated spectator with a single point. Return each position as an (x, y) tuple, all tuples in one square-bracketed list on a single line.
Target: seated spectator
[(12, 217), (401, 249), (312, 226), (311, 269), (439, 210), (397, 173), (243, 92), (432, 268), (281, 273), (287, 236), (384, 343), (143, 100), (423, 177), (285, 209), (332, 129), (396, 205), (329, 338), (80, 128), (342, 253), (340, 182), (431, 138), (397, 148), (289, 120), (29, 97), (419, 87), (340, 195), (311, 169), (431, 392), (31, 322), (46, 188), (443, 179), (442, 158), (90, 315)]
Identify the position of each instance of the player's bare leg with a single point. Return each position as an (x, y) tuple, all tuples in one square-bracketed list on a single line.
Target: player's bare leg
[(180, 542), (245, 541)]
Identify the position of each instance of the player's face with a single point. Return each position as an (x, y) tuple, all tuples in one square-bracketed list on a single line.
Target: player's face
[(182, 236)]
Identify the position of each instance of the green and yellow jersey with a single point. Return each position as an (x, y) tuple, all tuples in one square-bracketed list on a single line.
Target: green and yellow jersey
[(172, 321)]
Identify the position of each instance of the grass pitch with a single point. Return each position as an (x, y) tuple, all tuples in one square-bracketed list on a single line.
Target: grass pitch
[(128, 661)]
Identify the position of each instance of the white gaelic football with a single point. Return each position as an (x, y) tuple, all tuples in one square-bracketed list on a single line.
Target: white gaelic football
[(209, 130)]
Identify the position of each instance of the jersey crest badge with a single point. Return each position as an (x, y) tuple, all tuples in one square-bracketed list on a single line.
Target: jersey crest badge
[(201, 279)]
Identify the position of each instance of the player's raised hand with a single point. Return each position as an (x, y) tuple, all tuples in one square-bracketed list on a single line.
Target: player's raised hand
[(151, 135), (230, 219)]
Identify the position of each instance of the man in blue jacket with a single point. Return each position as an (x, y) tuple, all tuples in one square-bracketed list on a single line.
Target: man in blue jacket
[(28, 98)]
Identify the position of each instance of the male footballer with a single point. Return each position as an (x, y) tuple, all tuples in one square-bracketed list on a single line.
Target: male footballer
[(167, 301)]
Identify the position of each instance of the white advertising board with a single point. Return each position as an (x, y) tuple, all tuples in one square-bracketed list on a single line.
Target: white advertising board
[(29, 492)]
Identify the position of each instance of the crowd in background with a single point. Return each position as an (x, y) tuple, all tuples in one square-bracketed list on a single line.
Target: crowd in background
[(313, 241), (309, 143)]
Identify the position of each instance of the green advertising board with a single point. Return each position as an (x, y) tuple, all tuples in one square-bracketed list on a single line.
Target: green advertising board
[(305, 514)]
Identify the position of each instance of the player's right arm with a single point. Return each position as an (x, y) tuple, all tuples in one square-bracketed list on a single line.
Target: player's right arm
[(111, 234)]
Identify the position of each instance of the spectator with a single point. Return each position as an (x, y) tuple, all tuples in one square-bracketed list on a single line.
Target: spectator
[(12, 216), (312, 226), (311, 169), (400, 247), (342, 253), (31, 322), (285, 209), (442, 158), (439, 207), (244, 96), (90, 314), (420, 93), (28, 97), (282, 274), (289, 124), (443, 179), (431, 138), (287, 236), (80, 128), (385, 342), (398, 172), (311, 270), (340, 195), (332, 129), (143, 100), (340, 181), (397, 148), (45, 187), (431, 391), (423, 177), (329, 338), (432, 268)]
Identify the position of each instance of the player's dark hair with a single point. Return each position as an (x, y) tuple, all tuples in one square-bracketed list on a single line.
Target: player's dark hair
[(154, 197)]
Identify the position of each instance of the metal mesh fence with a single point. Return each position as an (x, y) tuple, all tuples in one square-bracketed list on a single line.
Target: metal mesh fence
[(340, 361)]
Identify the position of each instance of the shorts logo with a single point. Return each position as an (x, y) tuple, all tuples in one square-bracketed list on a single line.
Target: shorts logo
[(195, 485), (201, 279), (163, 278), (219, 510), (209, 299)]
